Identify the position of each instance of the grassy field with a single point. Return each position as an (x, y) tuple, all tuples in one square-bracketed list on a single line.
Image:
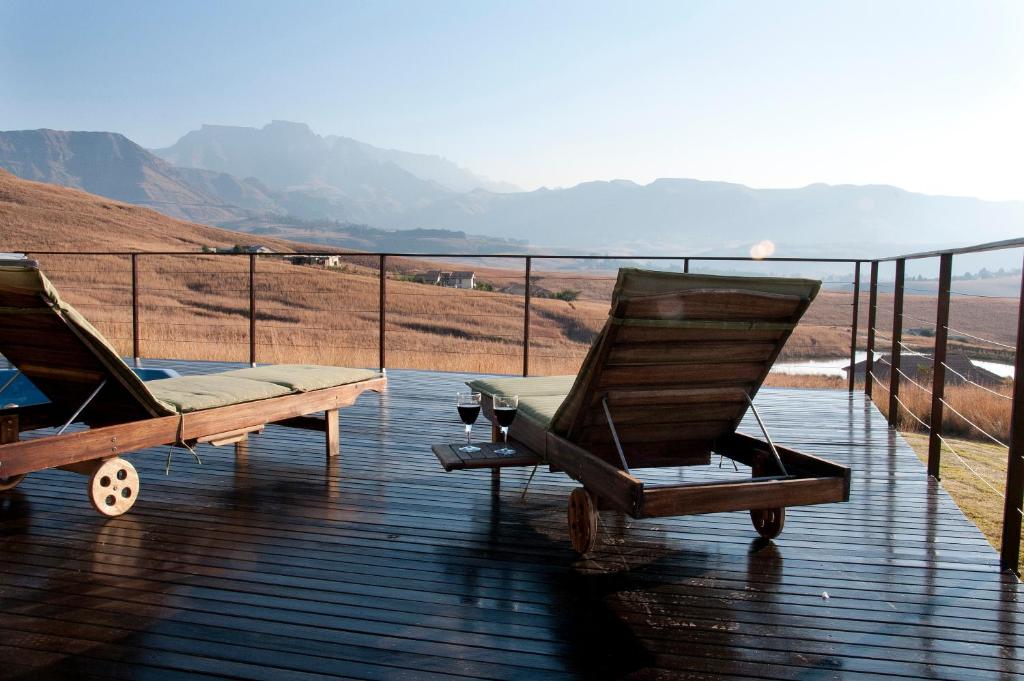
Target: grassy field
[(975, 491), (197, 307), (980, 410)]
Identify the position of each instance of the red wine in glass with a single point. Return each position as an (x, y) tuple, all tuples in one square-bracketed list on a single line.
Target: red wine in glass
[(469, 409), (505, 408), (505, 415), (469, 414)]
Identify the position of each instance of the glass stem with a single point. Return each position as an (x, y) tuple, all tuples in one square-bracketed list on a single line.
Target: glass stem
[(504, 433), (469, 429)]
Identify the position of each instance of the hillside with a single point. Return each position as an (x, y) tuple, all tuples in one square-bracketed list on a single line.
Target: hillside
[(111, 165), (40, 216), (196, 306)]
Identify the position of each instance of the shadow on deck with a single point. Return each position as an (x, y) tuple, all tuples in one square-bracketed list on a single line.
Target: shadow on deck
[(381, 566)]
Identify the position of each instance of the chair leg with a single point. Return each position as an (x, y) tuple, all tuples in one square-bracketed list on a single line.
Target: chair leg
[(9, 433), (242, 451), (495, 472), (333, 434), (9, 429)]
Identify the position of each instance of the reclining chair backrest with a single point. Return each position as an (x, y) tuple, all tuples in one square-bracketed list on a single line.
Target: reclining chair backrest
[(62, 354), (676, 361)]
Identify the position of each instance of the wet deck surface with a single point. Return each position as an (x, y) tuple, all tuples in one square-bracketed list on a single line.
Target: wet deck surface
[(384, 567)]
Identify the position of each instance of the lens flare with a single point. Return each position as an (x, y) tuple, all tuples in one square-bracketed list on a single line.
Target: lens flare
[(762, 249)]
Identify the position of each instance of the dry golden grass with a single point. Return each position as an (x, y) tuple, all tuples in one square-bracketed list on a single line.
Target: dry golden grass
[(972, 490), (982, 410), (196, 307), (41, 217)]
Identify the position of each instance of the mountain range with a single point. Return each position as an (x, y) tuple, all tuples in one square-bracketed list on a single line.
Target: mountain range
[(261, 178), (111, 165)]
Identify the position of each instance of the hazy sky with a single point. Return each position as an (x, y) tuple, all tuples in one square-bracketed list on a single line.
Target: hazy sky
[(925, 95)]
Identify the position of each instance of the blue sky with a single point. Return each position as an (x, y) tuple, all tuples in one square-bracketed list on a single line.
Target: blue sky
[(924, 95)]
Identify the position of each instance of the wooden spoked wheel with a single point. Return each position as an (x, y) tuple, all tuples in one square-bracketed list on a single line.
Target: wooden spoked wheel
[(114, 486), (11, 482), (582, 520), (768, 521)]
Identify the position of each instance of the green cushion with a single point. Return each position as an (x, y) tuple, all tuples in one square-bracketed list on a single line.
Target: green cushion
[(534, 385), (539, 408), (303, 377), (194, 393)]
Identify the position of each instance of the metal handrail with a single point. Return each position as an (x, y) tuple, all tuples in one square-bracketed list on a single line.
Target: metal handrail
[(1013, 510)]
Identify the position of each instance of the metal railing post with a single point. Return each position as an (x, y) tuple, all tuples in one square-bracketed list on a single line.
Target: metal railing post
[(686, 265), (897, 339), (382, 314), (1009, 551), (853, 330), (526, 320), (939, 365), (252, 309), (136, 353), (869, 361)]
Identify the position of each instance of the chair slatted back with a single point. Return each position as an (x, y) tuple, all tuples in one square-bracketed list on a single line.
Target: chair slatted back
[(676, 361), (62, 354)]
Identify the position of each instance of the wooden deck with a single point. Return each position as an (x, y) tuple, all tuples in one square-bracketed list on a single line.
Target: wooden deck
[(385, 567)]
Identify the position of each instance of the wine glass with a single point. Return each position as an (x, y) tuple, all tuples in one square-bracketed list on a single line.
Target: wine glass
[(505, 408), (469, 410)]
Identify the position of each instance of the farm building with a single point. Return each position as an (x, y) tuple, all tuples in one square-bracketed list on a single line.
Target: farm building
[(248, 248), (315, 260), (454, 279), (919, 368)]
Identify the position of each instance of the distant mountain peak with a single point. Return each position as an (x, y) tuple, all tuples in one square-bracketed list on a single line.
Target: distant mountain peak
[(286, 125), (342, 164)]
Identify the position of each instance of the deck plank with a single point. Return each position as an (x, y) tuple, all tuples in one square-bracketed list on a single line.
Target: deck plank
[(379, 565)]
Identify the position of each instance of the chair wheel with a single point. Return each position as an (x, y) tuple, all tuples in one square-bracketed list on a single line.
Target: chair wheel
[(11, 482), (768, 521), (582, 520), (114, 486)]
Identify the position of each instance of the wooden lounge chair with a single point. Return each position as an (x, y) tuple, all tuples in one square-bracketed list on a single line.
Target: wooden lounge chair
[(87, 382), (666, 383)]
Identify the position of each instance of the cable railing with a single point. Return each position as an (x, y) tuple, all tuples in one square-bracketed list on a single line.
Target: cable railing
[(979, 338), (260, 307), (938, 408), (967, 466), (975, 383)]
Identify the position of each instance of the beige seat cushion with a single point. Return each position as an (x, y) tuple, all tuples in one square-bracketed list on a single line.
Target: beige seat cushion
[(194, 393), (540, 409), (539, 396), (534, 385), (303, 377)]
